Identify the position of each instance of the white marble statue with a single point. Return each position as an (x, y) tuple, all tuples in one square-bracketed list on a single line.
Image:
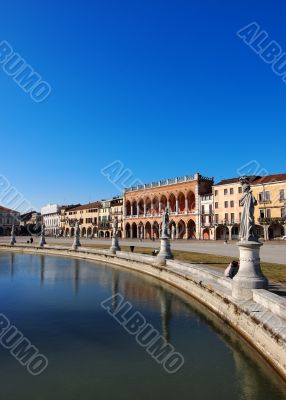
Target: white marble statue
[(247, 230)]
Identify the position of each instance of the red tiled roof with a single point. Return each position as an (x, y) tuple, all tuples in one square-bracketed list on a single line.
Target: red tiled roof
[(270, 178), (95, 204), (252, 179), (4, 209)]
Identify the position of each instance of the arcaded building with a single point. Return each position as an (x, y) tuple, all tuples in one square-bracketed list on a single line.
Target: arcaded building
[(145, 204)]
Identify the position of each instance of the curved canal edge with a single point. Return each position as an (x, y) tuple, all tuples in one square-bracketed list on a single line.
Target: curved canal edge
[(261, 321)]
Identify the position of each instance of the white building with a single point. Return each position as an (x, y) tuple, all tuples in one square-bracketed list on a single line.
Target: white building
[(51, 217), (206, 217)]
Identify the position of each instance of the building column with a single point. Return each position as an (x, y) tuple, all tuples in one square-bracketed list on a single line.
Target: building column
[(229, 232), (152, 231), (177, 205), (177, 231), (168, 205), (186, 205), (144, 209), (159, 207), (137, 209)]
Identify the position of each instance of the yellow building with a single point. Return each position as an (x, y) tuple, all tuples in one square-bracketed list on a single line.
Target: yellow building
[(87, 214), (270, 192)]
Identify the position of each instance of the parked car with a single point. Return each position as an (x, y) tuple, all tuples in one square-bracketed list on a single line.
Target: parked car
[(283, 238)]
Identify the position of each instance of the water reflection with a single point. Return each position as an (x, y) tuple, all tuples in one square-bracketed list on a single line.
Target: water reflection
[(95, 356)]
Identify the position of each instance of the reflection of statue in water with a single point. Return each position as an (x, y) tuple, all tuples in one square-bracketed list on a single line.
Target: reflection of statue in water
[(115, 226), (165, 223), (247, 230)]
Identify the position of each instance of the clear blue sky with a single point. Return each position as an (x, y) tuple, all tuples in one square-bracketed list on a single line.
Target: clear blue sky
[(165, 86)]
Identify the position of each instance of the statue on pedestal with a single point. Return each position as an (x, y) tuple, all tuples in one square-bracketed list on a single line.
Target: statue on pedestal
[(247, 230), (115, 227), (13, 238), (165, 224)]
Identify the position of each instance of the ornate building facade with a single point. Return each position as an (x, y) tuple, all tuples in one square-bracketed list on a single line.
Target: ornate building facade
[(144, 205)]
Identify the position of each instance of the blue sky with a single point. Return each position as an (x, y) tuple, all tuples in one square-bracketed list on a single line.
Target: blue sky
[(164, 86)]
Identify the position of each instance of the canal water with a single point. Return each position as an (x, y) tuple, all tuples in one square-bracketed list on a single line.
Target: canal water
[(55, 303)]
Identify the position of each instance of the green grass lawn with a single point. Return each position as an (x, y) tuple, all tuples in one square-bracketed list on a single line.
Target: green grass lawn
[(274, 272)]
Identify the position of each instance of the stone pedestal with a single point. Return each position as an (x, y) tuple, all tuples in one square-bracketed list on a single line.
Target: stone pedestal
[(165, 252), (114, 245), (249, 275), (42, 241)]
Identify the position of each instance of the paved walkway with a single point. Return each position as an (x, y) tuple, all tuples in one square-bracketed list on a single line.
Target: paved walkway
[(270, 252)]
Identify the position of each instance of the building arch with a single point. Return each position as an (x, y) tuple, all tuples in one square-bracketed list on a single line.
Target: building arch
[(181, 202), (128, 208), (181, 229), (156, 229), (72, 232), (235, 232), (260, 231), (155, 204), (89, 231), (107, 234), (191, 200), (94, 231), (83, 232), (127, 231), (275, 230), (222, 232), (172, 202), (134, 208), (163, 203), (148, 230), (134, 230), (67, 232), (206, 234), (148, 205), (191, 229), (141, 207)]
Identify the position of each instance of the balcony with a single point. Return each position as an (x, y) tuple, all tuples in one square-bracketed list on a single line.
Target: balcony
[(269, 221)]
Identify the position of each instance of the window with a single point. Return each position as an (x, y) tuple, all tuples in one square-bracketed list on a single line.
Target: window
[(232, 203), (267, 196), (216, 192), (216, 218), (268, 213), (226, 204), (281, 195), (239, 189), (283, 212), (232, 218), (210, 208), (262, 213), (203, 209), (225, 191), (226, 217), (260, 196), (231, 191), (216, 205), (239, 216)]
